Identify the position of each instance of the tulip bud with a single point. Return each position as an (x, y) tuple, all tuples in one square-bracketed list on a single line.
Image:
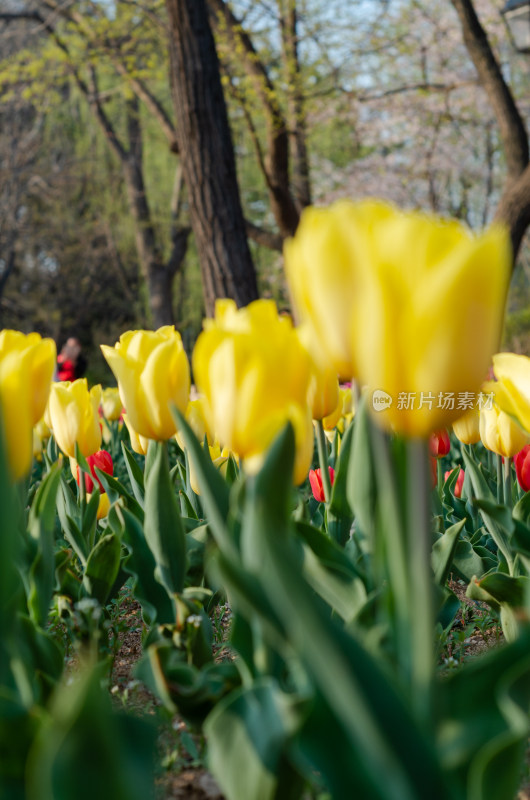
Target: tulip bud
[(521, 462), (467, 427), (439, 444), (315, 479), (103, 461), (111, 403), (459, 481), (500, 433), (103, 505)]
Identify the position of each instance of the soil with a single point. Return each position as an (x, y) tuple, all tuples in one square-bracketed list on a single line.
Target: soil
[(182, 775)]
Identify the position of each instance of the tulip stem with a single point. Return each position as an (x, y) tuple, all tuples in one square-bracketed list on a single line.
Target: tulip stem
[(508, 482), (440, 474), (82, 492), (323, 460), (500, 481), (421, 582)]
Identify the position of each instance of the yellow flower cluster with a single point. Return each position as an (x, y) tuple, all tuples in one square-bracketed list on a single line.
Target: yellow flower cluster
[(400, 301), (403, 302)]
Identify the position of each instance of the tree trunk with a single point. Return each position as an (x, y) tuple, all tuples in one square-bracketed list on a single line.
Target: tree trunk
[(514, 205), (208, 160), (295, 105), (158, 278), (275, 162), (514, 209)]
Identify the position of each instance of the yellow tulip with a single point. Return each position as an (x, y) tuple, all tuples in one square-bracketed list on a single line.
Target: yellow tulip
[(254, 373), (467, 427), (324, 383), (153, 374), (500, 433), (138, 443), (511, 390), (74, 417), (396, 300), (26, 370), (103, 505), (42, 429), (39, 364), (41, 433), (196, 417), (342, 414), (111, 403)]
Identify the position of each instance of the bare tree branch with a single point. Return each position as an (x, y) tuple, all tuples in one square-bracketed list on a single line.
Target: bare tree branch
[(274, 241), (511, 126)]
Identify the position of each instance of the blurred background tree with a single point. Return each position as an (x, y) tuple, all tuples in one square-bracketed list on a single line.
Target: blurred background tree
[(325, 100)]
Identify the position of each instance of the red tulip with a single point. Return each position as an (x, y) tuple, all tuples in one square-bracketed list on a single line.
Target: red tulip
[(522, 467), (103, 461), (315, 479), (439, 444), (459, 481)]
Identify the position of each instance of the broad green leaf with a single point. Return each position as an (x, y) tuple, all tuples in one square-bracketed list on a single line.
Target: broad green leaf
[(81, 725), (482, 723), (247, 736), (69, 516), (490, 511), (376, 721), (215, 493), (162, 524), (136, 475), (339, 512), (41, 524), (102, 567), (521, 509), (141, 564), (443, 551), (500, 588), (361, 484), (181, 686), (115, 490)]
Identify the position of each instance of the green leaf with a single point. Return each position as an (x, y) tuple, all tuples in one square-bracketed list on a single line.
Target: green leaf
[(141, 564), (361, 485), (247, 740), (102, 567), (86, 750), (443, 551), (69, 516), (181, 686), (162, 524), (215, 493), (483, 721), (500, 588), (376, 721), (115, 490), (136, 475), (41, 524), (491, 512), (90, 517), (339, 513)]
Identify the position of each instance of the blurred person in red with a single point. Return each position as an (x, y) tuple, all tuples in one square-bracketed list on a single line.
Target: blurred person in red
[(71, 363)]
